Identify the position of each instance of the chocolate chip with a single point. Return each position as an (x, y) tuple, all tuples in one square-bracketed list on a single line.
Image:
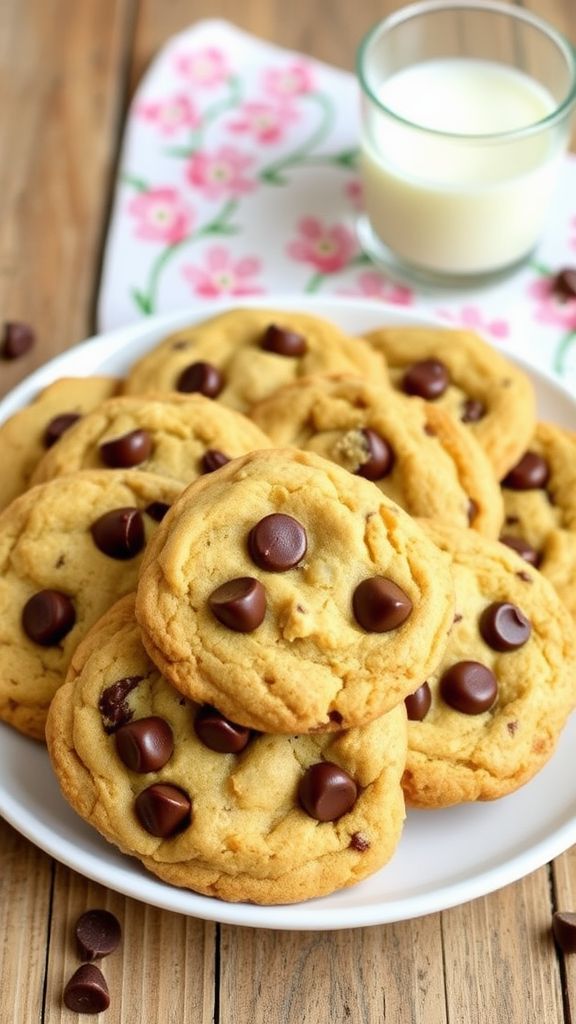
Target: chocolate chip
[(239, 604), (17, 339), (119, 533), (457, 618), (504, 627), (336, 717), (157, 510), (58, 426), (525, 577), (427, 378), (469, 687), (97, 934), (359, 842), (87, 991), (213, 460), (283, 342), (564, 284), (530, 473), (219, 733), (472, 410), (179, 346), (277, 543), (379, 458), (48, 616), (380, 605), (326, 791), (564, 930), (522, 547), (512, 727), (146, 744), (163, 809), (201, 378), (129, 450), (112, 704), (418, 703), (472, 510)]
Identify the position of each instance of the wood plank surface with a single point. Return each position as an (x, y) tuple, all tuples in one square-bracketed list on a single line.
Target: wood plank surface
[(65, 68)]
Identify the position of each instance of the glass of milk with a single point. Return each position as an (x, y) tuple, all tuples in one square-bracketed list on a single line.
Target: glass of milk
[(465, 119)]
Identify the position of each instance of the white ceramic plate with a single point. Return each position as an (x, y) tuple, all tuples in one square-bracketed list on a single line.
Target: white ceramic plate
[(444, 857)]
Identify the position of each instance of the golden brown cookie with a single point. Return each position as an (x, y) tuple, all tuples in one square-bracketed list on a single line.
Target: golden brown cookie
[(459, 371), (488, 718), (26, 436), (416, 452), (179, 436), (540, 508), (68, 550), (293, 595), (203, 803), (242, 356)]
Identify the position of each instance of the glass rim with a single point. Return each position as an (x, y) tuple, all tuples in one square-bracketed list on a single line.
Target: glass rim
[(482, 6)]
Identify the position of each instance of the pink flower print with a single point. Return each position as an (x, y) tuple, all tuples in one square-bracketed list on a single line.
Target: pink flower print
[(205, 68), (328, 249), (372, 285), (473, 319), (223, 275), (551, 308), (161, 215), (170, 115), (220, 173), (355, 193), (265, 122), (294, 79)]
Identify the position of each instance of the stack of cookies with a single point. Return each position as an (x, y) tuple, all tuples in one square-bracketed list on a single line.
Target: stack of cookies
[(282, 583)]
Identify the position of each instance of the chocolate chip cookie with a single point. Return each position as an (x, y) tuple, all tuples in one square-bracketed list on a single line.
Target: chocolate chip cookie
[(417, 453), (28, 434), (462, 373), (293, 595), (488, 718), (242, 356), (68, 549), (179, 436), (540, 508), (208, 805)]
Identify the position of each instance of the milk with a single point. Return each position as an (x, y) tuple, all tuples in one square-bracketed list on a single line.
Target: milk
[(455, 204)]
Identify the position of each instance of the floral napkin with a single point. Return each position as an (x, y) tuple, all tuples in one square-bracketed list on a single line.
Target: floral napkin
[(238, 177)]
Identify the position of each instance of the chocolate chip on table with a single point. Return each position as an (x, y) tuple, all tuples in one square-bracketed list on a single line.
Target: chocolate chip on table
[(202, 378), (48, 616), (326, 791), (418, 703), (163, 809), (380, 605), (113, 705), (277, 543), (532, 472), (157, 510), (427, 378), (219, 733), (98, 934), (129, 450), (504, 627), (58, 426), (119, 533), (146, 744), (239, 604), (283, 341), (564, 930), (473, 410), (469, 687), (213, 460), (564, 284), (380, 457), (87, 991), (522, 547), (17, 339)]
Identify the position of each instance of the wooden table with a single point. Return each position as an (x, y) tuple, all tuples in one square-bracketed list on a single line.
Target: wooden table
[(67, 69)]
